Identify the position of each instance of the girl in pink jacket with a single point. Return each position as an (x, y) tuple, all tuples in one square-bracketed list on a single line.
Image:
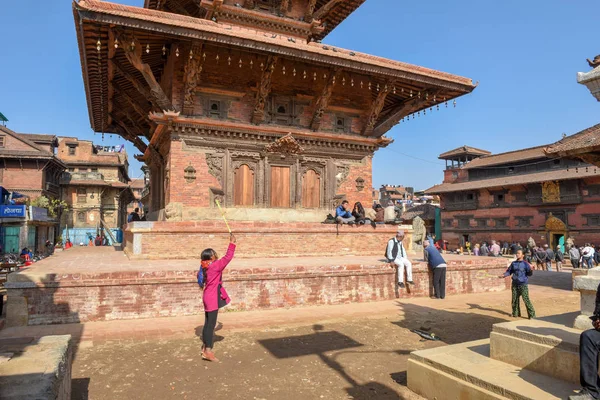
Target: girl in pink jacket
[(214, 296)]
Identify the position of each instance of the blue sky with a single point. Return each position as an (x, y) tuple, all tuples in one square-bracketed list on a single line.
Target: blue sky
[(525, 54)]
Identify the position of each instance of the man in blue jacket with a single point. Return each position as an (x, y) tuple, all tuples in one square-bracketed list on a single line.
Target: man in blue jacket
[(520, 271), (436, 263), (343, 215)]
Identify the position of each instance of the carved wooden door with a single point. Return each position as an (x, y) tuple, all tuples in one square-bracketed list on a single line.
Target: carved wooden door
[(280, 187), (311, 189), (243, 187)]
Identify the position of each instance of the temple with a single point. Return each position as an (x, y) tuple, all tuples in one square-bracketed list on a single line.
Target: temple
[(239, 101)]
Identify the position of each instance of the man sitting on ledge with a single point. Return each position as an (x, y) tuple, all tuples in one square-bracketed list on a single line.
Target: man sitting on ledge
[(589, 349), (343, 215), (396, 255)]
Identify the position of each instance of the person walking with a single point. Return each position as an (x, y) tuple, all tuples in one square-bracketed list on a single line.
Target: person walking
[(520, 271), (214, 295), (396, 255), (559, 257), (438, 266), (549, 257), (540, 258), (587, 256), (574, 255)]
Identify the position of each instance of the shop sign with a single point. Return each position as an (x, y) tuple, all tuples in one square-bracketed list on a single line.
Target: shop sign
[(12, 211), (39, 214)]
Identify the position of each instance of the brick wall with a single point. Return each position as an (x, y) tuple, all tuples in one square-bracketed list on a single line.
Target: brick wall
[(24, 175), (178, 240), (363, 170), (76, 297)]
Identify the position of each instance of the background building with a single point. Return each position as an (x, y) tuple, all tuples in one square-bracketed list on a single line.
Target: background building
[(516, 195), (395, 193), (96, 188), (28, 169)]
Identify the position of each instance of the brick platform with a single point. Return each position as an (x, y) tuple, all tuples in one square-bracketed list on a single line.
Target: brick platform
[(99, 283), (178, 240)]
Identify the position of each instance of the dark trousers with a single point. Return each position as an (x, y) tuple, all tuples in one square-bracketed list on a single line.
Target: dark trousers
[(519, 291), (589, 347), (439, 282), (208, 332), (574, 263)]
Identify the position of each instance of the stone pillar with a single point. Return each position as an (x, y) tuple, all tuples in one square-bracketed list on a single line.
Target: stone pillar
[(587, 286)]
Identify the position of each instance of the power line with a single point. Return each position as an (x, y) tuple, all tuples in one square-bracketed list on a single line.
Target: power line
[(413, 157)]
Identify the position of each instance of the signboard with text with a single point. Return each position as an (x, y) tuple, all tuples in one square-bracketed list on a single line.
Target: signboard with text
[(12, 211)]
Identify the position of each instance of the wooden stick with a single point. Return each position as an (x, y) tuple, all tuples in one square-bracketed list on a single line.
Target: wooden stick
[(223, 214)]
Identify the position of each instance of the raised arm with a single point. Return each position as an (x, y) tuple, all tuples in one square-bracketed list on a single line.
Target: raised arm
[(221, 263)]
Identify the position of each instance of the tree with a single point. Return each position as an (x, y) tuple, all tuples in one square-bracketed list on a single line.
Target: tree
[(52, 205)]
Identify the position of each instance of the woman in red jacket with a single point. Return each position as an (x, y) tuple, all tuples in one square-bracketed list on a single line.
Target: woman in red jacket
[(214, 296)]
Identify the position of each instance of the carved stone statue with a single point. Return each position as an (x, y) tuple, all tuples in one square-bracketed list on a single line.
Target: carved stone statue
[(595, 63), (530, 243), (570, 242), (419, 234), (174, 211)]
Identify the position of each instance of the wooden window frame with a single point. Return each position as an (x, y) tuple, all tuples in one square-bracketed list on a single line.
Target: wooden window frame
[(81, 197), (2, 141)]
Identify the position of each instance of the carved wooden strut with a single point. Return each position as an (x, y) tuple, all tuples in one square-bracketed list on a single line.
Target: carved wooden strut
[(191, 73), (134, 55), (323, 100), (326, 8), (376, 108), (408, 107), (264, 88), (310, 10)]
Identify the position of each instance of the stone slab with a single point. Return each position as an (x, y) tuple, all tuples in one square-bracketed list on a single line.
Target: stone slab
[(38, 370), (587, 285), (537, 345), (466, 372)]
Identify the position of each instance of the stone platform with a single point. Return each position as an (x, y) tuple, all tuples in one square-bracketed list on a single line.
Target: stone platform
[(100, 283), (181, 240), (36, 369), (522, 360), (587, 282)]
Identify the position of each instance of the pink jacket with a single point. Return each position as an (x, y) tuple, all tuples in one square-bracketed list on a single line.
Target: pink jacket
[(214, 279)]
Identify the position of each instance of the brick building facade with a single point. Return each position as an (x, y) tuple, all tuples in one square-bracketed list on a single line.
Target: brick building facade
[(517, 195), (28, 166), (95, 186), (240, 102)]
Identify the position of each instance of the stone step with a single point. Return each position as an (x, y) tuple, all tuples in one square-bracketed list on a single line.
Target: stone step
[(540, 346), (466, 372)]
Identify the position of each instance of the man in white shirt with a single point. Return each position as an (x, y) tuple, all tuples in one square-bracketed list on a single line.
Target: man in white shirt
[(396, 255), (588, 256)]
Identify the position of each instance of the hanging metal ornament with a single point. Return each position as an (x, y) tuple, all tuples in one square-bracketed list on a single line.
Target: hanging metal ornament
[(304, 74), (394, 89), (437, 106), (164, 50), (378, 87), (262, 65), (251, 64), (418, 113), (426, 96), (240, 63), (361, 85), (352, 82), (424, 112), (191, 54), (217, 58), (419, 95), (454, 103), (434, 98), (132, 45), (148, 48), (431, 109), (369, 85), (229, 60), (283, 70), (411, 93), (324, 76), (334, 79), (203, 57), (315, 76), (343, 81), (177, 52), (98, 45), (116, 44), (402, 90), (294, 72), (446, 104)]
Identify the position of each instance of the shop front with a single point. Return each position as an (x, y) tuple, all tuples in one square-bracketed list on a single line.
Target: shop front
[(13, 232)]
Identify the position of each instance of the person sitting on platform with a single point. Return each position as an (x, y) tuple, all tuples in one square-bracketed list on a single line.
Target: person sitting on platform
[(476, 249), (380, 214), (134, 216), (589, 350), (484, 251), (436, 263), (98, 241), (358, 212), (342, 215), (520, 271), (396, 255)]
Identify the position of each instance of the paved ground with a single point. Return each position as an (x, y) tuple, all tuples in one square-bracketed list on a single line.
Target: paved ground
[(328, 352)]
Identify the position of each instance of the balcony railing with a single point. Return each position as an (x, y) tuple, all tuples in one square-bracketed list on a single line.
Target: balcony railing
[(461, 205), (52, 187)]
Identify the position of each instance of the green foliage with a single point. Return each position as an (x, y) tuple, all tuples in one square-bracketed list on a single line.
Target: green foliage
[(52, 205)]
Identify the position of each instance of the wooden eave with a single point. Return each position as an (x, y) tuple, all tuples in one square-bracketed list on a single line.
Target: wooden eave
[(99, 20)]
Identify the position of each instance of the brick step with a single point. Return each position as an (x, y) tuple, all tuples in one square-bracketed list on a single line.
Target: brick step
[(465, 371), (539, 346)]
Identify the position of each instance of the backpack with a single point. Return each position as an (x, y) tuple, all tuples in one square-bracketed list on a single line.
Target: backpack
[(394, 251), (330, 219), (200, 277)]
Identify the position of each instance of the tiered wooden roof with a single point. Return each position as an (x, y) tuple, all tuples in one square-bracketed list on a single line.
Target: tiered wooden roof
[(584, 145), (122, 86), (464, 151)]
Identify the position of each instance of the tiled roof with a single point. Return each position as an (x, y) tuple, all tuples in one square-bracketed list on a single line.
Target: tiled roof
[(182, 21), (580, 142), (425, 211), (37, 137), (464, 150), (88, 182), (508, 157), (512, 180), (137, 183)]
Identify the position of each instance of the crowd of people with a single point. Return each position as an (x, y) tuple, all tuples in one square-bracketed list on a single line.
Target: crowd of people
[(373, 216)]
